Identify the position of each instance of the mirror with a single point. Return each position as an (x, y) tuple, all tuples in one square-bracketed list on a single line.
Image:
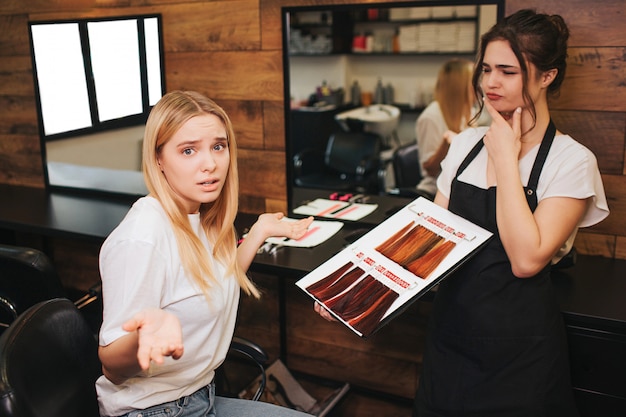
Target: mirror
[(96, 81), (366, 67)]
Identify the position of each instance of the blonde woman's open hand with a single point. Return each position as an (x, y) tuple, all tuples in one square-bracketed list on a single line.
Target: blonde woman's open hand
[(273, 226), (159, 335)]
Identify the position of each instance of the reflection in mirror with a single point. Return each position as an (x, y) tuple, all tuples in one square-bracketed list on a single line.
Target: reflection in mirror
[(365, 68), (96, 81)]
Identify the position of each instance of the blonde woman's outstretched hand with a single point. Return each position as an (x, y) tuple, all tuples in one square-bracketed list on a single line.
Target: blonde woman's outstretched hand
[(159, 335), (273, 226)]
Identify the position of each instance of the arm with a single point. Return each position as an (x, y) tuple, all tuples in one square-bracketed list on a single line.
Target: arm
[(431, 144), (432, 165), (269, 225), (529, 239), (152, 335), (441, 200)]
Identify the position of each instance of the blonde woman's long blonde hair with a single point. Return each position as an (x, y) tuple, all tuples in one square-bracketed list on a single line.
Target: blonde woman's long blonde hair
[(453, 92), (217, 218)]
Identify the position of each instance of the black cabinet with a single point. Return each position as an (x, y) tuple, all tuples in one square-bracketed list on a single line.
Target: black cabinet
[(598, 366), (591, 295), (383, 31)]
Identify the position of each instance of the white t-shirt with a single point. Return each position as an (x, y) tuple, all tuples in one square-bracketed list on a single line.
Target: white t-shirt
[(570, 170), (140, 268), (429, 129)]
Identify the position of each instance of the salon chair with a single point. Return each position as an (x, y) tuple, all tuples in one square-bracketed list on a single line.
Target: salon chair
[(49, 363), (28, 276), (407, 173), (350, 162)]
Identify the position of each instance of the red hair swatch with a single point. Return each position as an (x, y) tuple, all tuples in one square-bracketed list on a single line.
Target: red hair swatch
[(367, 322), (424, 266), (340, 285), (329, 280)]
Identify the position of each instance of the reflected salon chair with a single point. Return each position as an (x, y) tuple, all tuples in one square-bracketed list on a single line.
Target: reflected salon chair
[(28, 276), (350, 162), (407, 173), (49, 363)]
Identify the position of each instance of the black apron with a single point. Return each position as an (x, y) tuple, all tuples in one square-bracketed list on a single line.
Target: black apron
[(497, 343)]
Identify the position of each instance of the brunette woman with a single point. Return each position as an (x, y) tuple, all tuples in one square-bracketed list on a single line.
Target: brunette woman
[(496, 344)]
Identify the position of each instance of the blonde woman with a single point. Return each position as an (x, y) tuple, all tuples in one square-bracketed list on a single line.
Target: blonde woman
[(172, 273), (449, 113)]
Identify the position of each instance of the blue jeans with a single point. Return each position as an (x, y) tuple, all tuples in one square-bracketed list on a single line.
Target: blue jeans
[(204, 403)]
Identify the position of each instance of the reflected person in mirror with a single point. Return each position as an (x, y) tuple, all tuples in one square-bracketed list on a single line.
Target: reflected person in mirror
[(451, 111), (172, 272), (496, 343)]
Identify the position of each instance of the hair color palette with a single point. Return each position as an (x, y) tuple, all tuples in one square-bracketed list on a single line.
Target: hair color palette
[(366, 284)]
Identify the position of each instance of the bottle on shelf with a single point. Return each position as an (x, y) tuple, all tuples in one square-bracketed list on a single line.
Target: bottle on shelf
[(379, 92), (369, 42), (388, 94), (355, 94), (395, 43)]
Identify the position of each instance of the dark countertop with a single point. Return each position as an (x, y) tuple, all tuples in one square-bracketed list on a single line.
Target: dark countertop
[(590, 293), (58, 214)]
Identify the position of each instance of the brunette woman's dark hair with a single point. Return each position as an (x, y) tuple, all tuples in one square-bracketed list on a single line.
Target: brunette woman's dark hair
[(538, 38)]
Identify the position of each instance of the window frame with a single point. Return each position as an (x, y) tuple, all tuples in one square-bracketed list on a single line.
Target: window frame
[(96, 124)]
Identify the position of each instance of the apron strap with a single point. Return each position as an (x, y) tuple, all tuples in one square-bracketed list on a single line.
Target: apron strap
[(544, 149), (470, 156)]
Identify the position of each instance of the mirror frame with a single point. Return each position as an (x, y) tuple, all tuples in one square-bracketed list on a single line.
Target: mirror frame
[(119, 187), (285, 22)]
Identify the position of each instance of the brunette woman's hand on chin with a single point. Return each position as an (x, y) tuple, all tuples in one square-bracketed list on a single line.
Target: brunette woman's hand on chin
[(503, 138)]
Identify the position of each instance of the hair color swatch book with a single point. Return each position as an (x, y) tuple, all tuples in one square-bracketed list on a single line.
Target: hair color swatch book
[(379, 275)]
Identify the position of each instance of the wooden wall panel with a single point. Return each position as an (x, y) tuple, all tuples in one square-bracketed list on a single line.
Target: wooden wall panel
[(258, 320), (274, 126), (594, 80), (16, 76), (18, 116), (228, 75), (620, 247), (247, 120), (590, 24), (602, 132), (262, 173), (35, 6), (20, 154), (14, 35), (211, 26), (587, 243)]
